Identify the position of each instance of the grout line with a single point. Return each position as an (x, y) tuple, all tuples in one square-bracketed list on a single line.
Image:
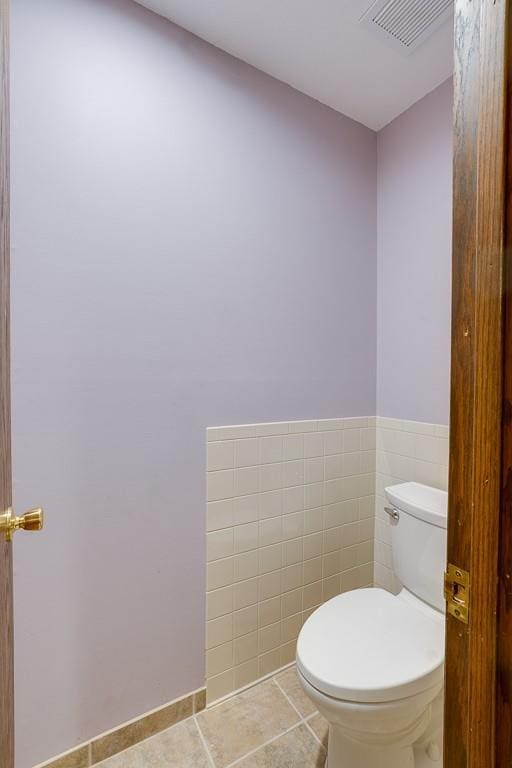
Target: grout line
[(206, 748), (304, 719), (290, 702), (261, 746), (306, 723)]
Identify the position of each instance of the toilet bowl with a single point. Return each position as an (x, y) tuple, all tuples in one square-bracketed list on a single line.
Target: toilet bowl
[(373, 662)]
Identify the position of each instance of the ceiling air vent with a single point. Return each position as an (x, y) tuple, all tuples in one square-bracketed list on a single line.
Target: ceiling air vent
[(405, 24)]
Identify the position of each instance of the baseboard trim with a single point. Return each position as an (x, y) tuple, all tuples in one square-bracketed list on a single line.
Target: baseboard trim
[(129, 733)]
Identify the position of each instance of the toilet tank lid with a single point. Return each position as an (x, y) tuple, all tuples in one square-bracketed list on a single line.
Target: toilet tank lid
[(421, 501)]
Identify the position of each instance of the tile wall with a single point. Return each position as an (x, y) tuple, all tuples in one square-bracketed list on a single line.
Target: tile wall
[(290, 524), (406, 450)]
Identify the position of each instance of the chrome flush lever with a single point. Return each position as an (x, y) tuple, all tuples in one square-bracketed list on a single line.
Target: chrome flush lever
[(393, 513)]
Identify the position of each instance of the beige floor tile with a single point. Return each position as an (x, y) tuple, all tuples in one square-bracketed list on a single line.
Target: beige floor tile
[(290, 684), (239, 725), (179, 747), (320, 726), (296, 749)]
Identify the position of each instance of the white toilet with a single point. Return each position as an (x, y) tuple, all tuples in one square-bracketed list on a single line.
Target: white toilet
[(373, 662)]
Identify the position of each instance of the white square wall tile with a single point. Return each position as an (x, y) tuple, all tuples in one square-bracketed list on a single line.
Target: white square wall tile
[(293, 499), (333, 491), (245, 647), (219, 631), (245, 621), (313, 520), (313, 445), (313, 495), (271, 449), (368, 439), (270, 558), (269, 585), (312, 595), (312, 570), (271, 476), (292, 473), (269, 612), (293, 551), (368, 461), (269, 662), (333, 442), (314, 470), (221, 455), (269, 637), (245, 537), (245, 565), (219, 659), (247, 452), (220, 485), (219, 574), (291, 603), (219, 602), (219, 514), (270, 531), (246, 509), (245, 593), (271, 504), (313, 545), (293, 447), (291, 578), (351, 440), (333, 467), (428, 448), (246, 673), (219, 544), (292, 525), (246, 481)]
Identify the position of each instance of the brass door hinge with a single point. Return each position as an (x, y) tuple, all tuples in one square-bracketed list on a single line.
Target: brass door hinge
[(456, 592)]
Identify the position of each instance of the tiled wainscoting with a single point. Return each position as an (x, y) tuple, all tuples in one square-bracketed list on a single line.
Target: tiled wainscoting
[(406, 450), (290, 524)]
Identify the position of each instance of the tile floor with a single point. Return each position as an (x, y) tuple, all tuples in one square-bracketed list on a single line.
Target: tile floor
[(271, 725)]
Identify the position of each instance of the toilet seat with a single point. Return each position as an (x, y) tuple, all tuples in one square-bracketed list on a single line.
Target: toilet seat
[(371, 646)]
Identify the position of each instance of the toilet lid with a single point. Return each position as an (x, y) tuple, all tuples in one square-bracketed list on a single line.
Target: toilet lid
[(369, 646)]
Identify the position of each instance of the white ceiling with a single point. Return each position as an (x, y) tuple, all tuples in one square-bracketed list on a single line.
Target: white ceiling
[(319, 48)]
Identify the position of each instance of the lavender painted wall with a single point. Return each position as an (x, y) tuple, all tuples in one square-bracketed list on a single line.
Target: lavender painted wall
[(414, 261), (193, 243)]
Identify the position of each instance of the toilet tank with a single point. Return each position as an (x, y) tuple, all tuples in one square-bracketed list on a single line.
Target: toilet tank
[(418, 519)]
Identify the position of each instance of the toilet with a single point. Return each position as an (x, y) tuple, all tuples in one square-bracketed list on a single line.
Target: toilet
[(373, 662)]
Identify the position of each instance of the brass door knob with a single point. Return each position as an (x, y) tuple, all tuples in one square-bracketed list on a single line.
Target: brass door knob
[(33, 520)]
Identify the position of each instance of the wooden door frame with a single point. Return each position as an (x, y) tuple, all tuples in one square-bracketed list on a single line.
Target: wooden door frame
[(480, 337), (6, 584), (504, 631)]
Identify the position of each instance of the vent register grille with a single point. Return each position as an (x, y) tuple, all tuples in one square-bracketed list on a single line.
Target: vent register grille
[(407, 23)]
